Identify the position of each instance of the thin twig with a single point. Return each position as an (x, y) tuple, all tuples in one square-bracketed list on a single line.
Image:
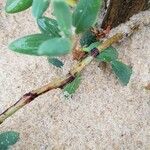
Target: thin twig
[(59, 83)]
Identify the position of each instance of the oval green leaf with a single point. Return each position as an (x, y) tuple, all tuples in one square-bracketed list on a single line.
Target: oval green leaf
[(14, 6), (85, 14), (48, 26), (29, 44), (55, 47), (7, 139), (108, 55), (63, 15), (39, 7), (122, 71)]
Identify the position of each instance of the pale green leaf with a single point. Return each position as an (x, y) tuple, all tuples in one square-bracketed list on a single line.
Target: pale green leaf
[(55, 47), (39, 7), (85, 14), (108, 54), (122, 71), (63, 15)]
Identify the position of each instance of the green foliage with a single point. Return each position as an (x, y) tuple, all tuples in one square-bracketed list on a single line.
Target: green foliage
[(29, 44), (56, 37), (7, 139), (48, 26), (85, 14), (122, 71), (63, 15), (87, 39), (55, 47), (108, 55), (14, 6), (93, 45), (39, 7), (56, 62), (73, 86)]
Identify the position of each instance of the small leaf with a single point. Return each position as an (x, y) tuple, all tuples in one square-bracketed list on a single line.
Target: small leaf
[(87, 39), (29, 44), (93, 45), (56, 62), (63, 15), (14, 6), (70, 88), (85, 14), (122, 71), (7, 139), (109, 54), (48, 26), (55, 47), (39, 7)]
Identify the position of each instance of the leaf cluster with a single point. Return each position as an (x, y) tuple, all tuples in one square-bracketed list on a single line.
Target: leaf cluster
[(56, 34), (7, 139), (56, 37)]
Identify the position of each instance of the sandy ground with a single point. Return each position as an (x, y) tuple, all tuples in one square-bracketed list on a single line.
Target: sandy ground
[(101, 115)]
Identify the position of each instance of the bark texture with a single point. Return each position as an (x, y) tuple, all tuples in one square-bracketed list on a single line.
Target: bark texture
[(119, 11)]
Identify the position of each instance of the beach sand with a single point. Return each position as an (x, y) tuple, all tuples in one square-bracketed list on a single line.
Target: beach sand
[(102, 114)]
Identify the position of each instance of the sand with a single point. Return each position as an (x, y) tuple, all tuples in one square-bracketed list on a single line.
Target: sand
[(101, 115)]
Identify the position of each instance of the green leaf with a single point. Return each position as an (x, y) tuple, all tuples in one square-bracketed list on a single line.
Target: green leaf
[(48, 26), (55, 47), (93, 45), (56, 62), (109, 54), (85, 14), (87, 39), (63, 15), (70, 88), (14, 6), (7, 139), (39, 7), (122, 71), (29, 44)]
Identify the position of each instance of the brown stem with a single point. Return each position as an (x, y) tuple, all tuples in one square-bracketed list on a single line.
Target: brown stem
[(119, 11), (59, 83)]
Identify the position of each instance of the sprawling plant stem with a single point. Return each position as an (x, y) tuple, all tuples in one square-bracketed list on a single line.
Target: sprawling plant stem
[(59, 83)]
